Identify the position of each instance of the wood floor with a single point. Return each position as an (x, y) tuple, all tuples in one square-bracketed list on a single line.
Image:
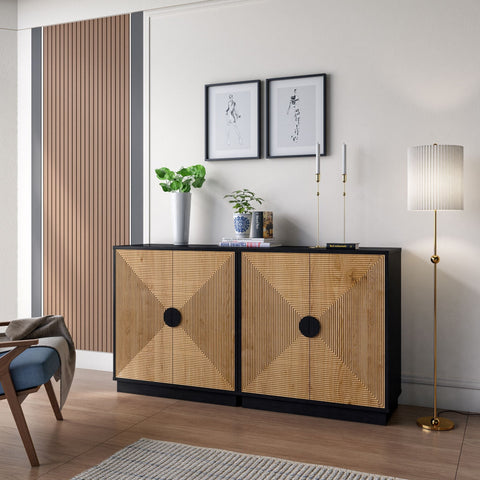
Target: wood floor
[(99, 421)]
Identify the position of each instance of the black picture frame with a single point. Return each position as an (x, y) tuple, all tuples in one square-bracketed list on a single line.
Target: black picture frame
[(233, 120), (296, 116)]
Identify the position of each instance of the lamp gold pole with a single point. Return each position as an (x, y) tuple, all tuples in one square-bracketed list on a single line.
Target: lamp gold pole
[(435, 422)]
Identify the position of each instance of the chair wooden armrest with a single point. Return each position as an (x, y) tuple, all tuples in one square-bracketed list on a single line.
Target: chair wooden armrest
[(19, 343), (4, 324)]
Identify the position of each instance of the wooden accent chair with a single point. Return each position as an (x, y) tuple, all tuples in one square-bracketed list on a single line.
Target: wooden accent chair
[(23, 370)]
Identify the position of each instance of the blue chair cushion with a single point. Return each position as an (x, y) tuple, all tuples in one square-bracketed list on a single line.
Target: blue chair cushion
[(33, 367)]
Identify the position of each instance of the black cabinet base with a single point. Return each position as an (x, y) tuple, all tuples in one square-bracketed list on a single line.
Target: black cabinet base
[(351, 413), (175, 391), (299, 407)]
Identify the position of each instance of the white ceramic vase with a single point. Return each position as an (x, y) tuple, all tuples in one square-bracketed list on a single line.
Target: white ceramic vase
[(242, 223), (181, 202)]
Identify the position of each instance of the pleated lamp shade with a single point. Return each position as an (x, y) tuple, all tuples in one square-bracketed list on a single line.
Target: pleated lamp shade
[(435, 177)]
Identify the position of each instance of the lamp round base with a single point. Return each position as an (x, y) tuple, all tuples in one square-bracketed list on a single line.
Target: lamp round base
[(438, 424)]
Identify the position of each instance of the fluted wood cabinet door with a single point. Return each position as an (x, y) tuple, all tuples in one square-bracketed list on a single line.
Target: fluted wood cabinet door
[(204, 341), (143, 291), (275, 297), (347, 357), (200, 350), (345, 362)]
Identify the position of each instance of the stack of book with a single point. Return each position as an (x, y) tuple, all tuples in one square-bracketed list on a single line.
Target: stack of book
[(249, 242), (262, 225)]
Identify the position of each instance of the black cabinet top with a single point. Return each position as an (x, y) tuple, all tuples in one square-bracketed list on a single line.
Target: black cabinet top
[(297, 249)]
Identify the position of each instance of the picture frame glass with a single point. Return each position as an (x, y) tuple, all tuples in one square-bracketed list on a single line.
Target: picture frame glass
[(232, 121), (296, 116)]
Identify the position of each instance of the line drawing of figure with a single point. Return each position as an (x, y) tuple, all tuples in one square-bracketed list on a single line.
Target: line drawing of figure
[(233, 116), (294, 106)]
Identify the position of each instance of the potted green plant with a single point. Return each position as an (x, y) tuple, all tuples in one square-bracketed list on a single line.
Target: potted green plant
[(179, 184), (241, 201)]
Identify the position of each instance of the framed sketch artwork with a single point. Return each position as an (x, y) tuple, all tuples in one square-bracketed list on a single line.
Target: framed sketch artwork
[(295, 115), (232, 120)]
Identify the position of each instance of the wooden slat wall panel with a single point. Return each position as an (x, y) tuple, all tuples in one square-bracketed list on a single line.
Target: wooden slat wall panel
[(85, 171)]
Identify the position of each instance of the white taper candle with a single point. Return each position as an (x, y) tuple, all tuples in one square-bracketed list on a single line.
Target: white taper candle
[(317, 155)]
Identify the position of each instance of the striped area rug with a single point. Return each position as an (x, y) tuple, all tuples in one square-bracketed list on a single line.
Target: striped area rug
[(155, 460)]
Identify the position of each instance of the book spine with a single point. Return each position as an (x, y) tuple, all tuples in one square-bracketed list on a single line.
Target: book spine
[(245, 244), (267, 225), (257, 225), (343, 246), (246, 239)]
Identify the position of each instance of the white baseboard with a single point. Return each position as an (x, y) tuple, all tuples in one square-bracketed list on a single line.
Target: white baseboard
[(95, 360), (448, 397)]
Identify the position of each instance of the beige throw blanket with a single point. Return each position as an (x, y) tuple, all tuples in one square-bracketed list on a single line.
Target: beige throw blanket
[(51, 332)]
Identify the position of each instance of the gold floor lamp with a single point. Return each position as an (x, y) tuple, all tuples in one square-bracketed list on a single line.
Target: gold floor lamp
[(435, 182)]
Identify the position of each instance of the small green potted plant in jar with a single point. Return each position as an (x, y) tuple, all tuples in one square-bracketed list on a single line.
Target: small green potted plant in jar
[(241, 201)]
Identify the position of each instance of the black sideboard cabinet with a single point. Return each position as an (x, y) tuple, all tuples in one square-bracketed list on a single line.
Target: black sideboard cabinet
[(291, 329)]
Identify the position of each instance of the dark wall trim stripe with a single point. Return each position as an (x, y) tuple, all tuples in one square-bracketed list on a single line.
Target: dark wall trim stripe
[(136, 128), (37, 171)]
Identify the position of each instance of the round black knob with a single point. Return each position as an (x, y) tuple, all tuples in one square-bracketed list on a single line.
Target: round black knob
[(309, 327), (172, 317)]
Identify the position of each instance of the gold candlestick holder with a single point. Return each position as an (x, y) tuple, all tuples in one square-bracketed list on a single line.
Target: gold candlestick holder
[(344, 245), (317, 179), (317, 176), (344, 180)]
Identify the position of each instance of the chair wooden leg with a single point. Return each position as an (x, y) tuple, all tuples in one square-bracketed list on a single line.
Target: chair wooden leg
[(53, 400), (15, 401), (22, 427)]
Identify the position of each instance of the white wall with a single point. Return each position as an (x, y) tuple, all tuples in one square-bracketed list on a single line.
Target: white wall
[(400, 74), (24, 173), (36, 13), (8, 159)]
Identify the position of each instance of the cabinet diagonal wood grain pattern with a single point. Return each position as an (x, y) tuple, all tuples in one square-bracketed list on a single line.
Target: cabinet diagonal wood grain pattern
[(345, 362), (200, 351)]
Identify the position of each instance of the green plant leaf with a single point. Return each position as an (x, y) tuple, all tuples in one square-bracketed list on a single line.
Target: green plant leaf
[(242, 200), (185, 186), (198, 171), (182, 180), (184, 172), (164, 173), (198, 182), (176, 185)]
